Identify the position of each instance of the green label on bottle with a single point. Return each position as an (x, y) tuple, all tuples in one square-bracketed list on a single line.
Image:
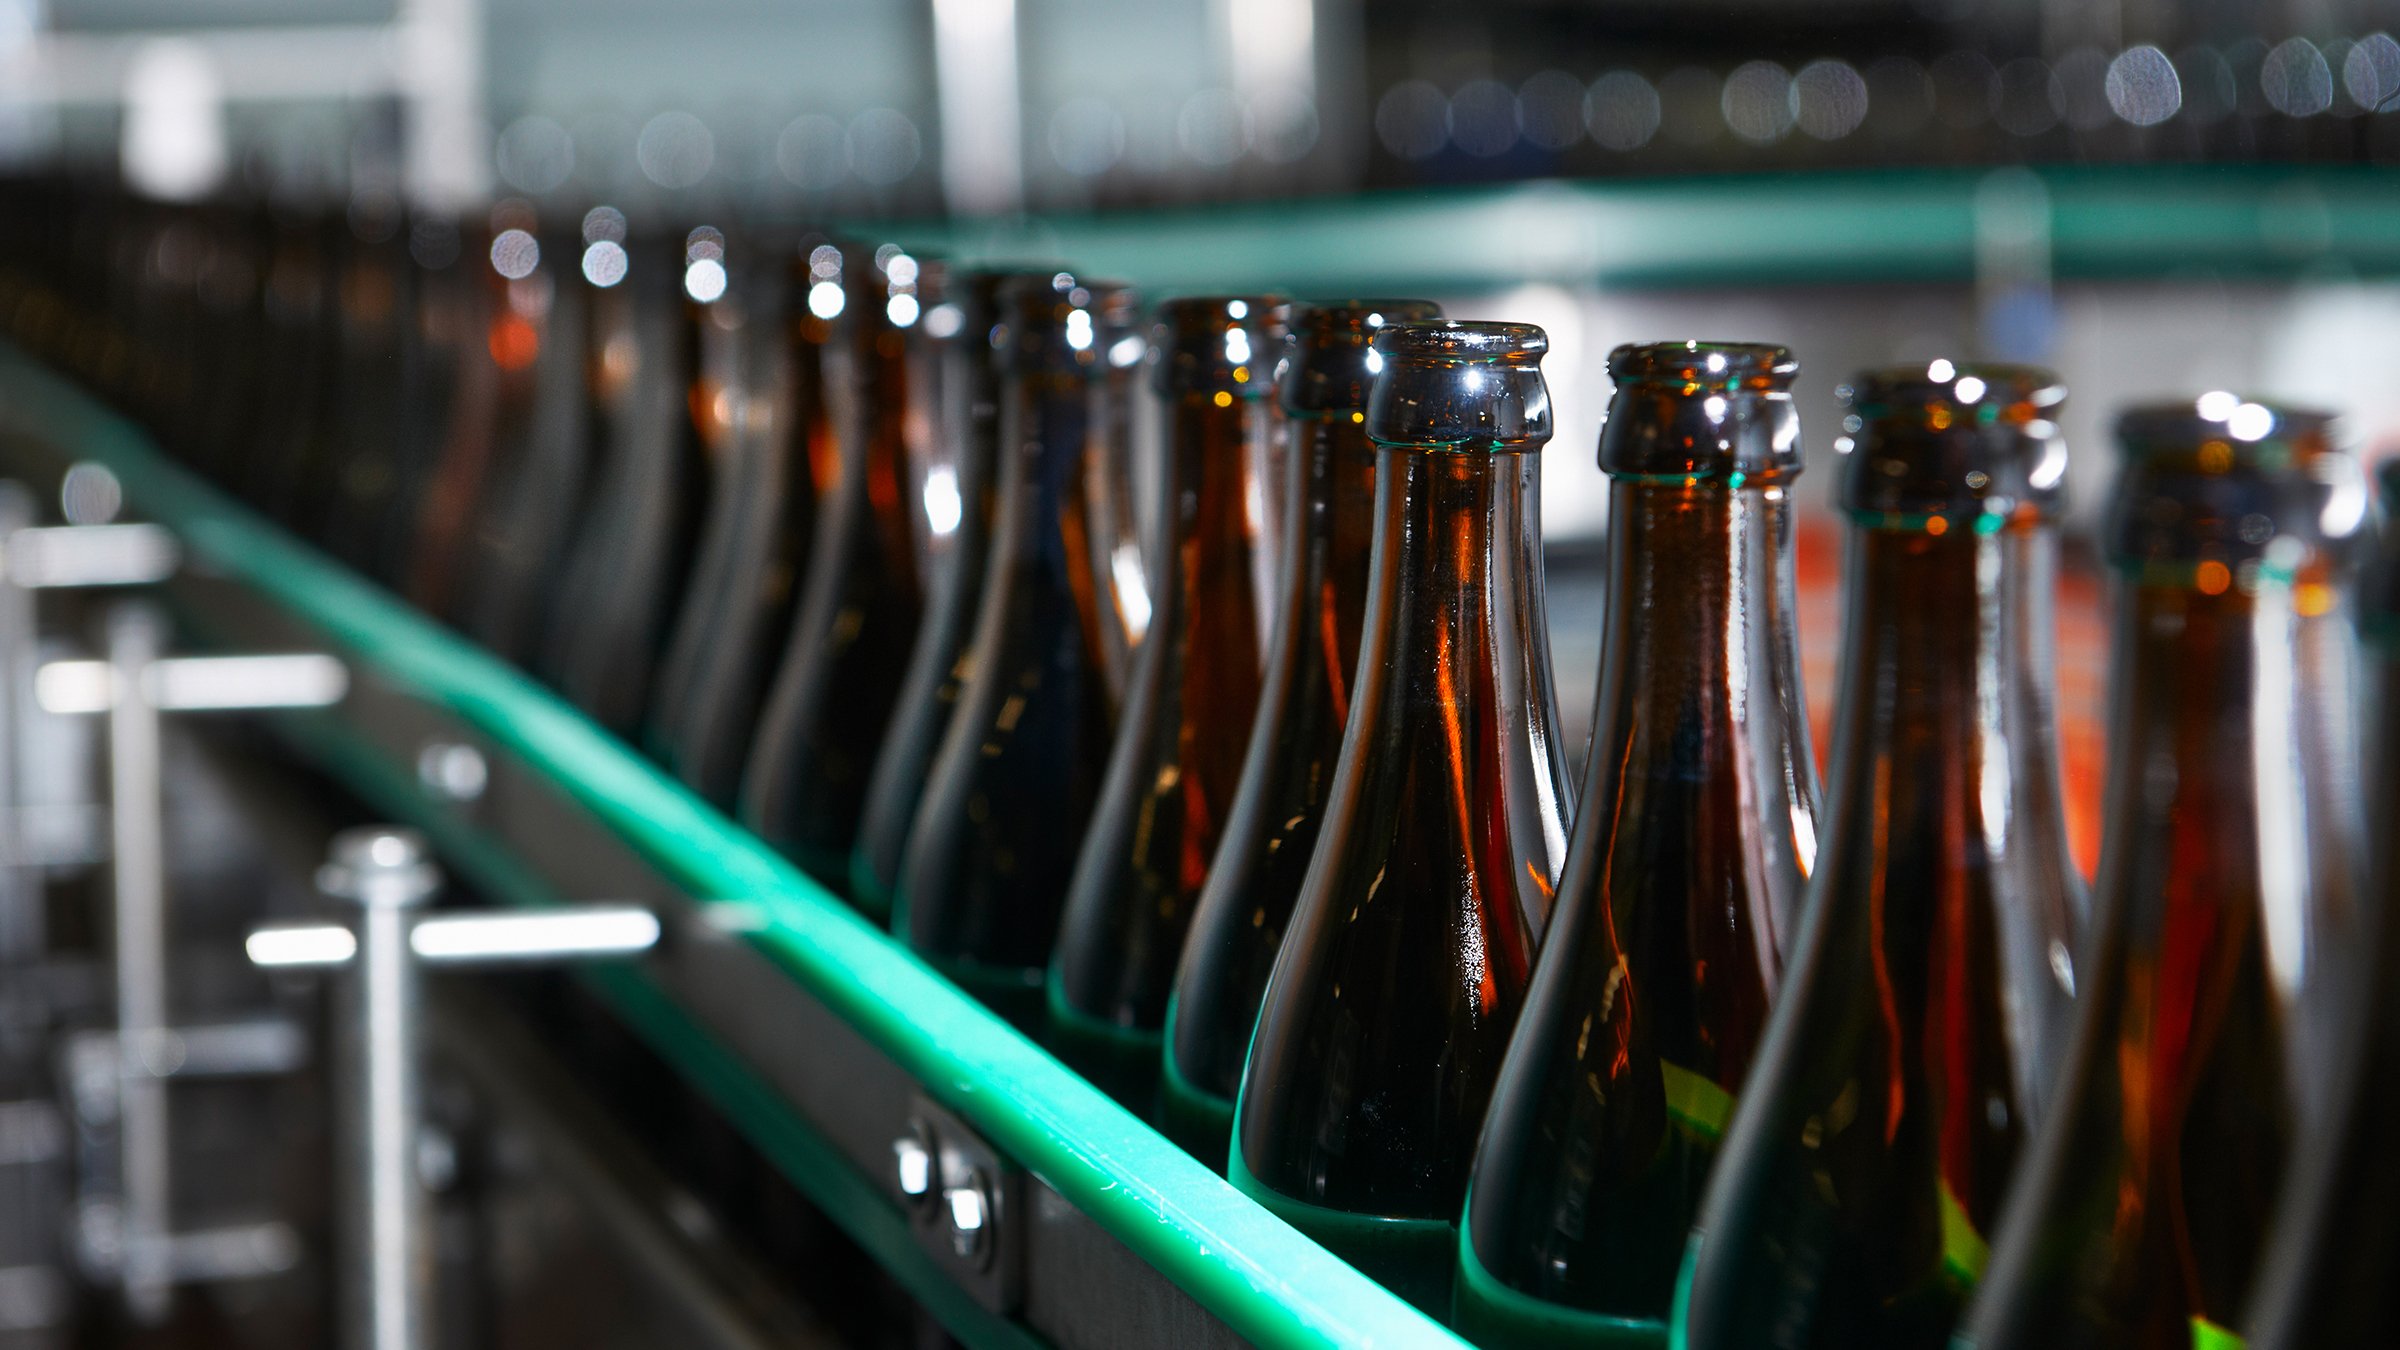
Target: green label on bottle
[(2207, 1335), (1964, 1252), (1697, 1102)]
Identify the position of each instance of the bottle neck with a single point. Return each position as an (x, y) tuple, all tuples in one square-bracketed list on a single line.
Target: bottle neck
[(1455, 616), (1213, 449), (1040, 522), (1701, 635), (2218, 777), (1947, 665), (1329, 529)]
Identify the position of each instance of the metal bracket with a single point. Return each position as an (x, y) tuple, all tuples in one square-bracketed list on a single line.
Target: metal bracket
[(965, 1202), (33, 558), (132, 1239), (389, 875)]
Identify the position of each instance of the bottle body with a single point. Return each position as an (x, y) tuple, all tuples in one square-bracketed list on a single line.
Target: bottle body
[(507, 314), (1271, 827), (1698, 827), (1011, 788), (1903, 1060), (1191, 694), (517, 549), (960, 490), (842, 665), (732, 632), (634, 545), (1414, 932), (2144, 1202), (2327, 1276)]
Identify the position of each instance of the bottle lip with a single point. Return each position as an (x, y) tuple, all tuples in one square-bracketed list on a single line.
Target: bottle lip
[(2215, 484), (1471, 388), (1462, 341), (1037, 297), (1945, 441), (1218, 343), (1328, 364), (1705, 364), (1997, 391), (2220, 431)]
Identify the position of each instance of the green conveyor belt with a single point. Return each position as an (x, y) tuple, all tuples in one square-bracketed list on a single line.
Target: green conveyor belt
[(1264, 1280)]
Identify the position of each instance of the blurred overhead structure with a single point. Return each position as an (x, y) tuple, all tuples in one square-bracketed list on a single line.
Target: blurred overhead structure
[(172, 85)]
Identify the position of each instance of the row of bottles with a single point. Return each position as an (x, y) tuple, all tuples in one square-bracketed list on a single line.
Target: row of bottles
[(1263, 823)]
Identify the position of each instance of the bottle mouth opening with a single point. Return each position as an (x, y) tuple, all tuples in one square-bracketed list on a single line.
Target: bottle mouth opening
[(1726, 365), (2220, 430), (1328, 367), (2028, 391), (1358, 320), (1219, 343), (1204, 318), (1456, 341), (1055, 297)]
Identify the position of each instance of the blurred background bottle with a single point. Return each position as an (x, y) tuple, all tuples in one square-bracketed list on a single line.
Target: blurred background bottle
[(2326, 1278), (863, 584), (1270, 834), (959, 491), (1190, 696), (2145, 1201), (663, 364), (1011, 790)]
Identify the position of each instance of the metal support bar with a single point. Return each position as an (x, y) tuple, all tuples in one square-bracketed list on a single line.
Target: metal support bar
[(388, 875), (137, 845), (46, 558), (387, 1268), (471, 941), (23, 935), (198, 683), (54, 556)]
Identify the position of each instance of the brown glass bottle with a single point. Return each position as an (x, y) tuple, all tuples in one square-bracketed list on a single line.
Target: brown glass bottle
[(1012, 786), (1698, 828), (442, 328), (355, 467), (962, 482), (753, 392), (1929, 986), (634, 545), (1328, 516), (842, 665), (1413, 938), (2143, 1205), (301, 322), (2327, 1277), (1121, 473), (583, 367), (491, 403), (740, 606), (1190, 695)]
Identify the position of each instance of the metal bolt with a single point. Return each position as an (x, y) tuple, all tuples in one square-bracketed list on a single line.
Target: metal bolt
[(452, 771), (380, 867), (437, 1159), (970, 1206), (912, 1163)]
